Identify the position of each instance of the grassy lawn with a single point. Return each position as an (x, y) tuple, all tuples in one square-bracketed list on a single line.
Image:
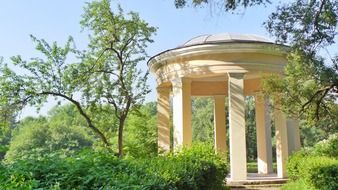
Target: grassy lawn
[(252, 167)]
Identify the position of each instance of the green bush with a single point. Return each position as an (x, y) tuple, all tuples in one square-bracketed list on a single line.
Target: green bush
[(141, 132), (295, 163), (328, 147), (315, 168), (295, 185), (320, 173), (3, 150), (38, 137), (196, 168)]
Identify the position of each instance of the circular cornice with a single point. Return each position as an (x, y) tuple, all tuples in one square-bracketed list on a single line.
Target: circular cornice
[(210, 49)]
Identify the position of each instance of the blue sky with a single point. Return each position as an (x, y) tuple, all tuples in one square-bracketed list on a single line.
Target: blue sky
[(55, 20)]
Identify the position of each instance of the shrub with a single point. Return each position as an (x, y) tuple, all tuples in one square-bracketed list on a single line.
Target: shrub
[(320, 173), (196, 168), (3, 150), (317, 167), (294, 164), (141, 132), (328, 147), (316, 172), (38, 137), (295, 185)]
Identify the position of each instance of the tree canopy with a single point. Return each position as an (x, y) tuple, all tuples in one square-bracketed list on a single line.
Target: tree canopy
[(227, 5), (106, 73), (60, 131), (309, 87), (117, 45)]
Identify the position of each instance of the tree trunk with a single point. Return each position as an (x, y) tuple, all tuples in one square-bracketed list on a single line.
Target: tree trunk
[(120, 136)]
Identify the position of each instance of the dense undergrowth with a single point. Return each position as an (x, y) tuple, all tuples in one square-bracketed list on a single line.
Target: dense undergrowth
[(195, 168), (315, 168)]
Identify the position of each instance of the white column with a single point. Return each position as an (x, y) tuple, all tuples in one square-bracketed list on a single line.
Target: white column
[(263, 132), (182, 112), (163, 118), (293, 135), (219, 124), (238, 163), (281, 141)]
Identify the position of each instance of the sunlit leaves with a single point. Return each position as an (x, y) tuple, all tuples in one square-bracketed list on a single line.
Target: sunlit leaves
[(63, 130), (308, 25), (226, 5), (304, 91), (309, 87), (117, 45)]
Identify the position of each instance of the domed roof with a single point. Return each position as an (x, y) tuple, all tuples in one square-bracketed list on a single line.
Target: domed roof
[(225, 38)]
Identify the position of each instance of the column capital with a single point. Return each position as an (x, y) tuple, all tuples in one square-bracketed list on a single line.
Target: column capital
[(260, 97), (179, 81), (163, 89), (236, 75), (219, 96), (259, 94)]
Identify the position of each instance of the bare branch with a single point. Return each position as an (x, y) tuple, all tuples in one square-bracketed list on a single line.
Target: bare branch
[(83, 113)]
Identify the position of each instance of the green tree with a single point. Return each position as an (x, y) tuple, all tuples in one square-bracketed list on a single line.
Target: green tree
[(203, 123), (250, 124), (7, 124), (309, 87), (141, 131), (60, 131), (40, 78), (203, 120), (106, 74), (7, 112), (227, 5), (117, 45)]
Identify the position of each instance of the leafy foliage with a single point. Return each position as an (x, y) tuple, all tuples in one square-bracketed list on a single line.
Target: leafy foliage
[(196, 168), (228, 5), (311, 135), (52, 76), (203, 126), (325, 175), (309, 88), (141, 132), (319, 172), (105, 74), (203, 120), (294, 185), (294, 164), (299, 95), (36, 137), (117, 45), (251, 138), (327, 147), (315, 168)]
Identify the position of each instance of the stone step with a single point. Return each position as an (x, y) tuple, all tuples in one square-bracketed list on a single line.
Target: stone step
[(258, 181), (255, 187)]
